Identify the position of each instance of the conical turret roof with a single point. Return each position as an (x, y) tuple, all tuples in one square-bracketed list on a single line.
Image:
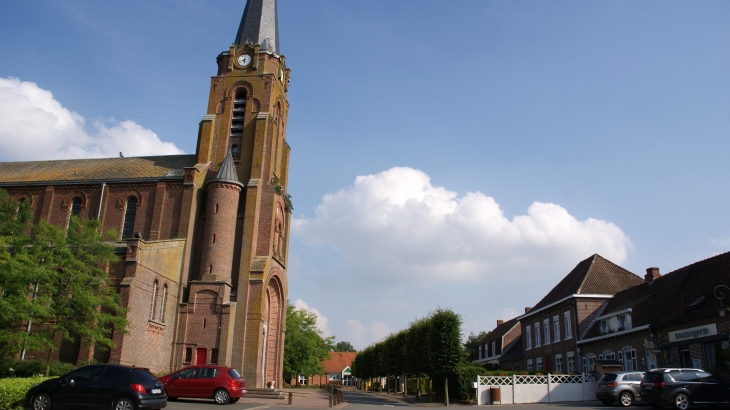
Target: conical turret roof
[(227, 172), (259, 25)]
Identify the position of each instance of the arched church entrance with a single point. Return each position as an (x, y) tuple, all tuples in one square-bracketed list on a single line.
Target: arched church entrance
[(272, 341)]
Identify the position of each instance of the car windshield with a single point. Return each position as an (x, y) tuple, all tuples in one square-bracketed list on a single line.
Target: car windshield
[(608, 377), (234, 374), (142, 376), (653, 377)]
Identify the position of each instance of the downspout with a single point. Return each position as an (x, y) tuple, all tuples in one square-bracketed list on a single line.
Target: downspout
[(101, 200)]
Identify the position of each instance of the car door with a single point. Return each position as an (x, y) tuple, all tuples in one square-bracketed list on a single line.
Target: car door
[(180, 384), (711, 387), (205, 383), (111, 383), (80, 388)]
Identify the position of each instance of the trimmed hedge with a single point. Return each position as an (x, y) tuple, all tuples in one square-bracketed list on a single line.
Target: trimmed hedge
[(12, 391)]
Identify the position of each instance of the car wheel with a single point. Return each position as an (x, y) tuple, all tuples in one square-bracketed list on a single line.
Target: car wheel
[(607, 402), (625, 399), (234, 400), (681, 401), (41, 401), (220, 396), (123, 403)]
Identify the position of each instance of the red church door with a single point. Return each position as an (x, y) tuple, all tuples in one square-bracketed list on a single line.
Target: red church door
[(201, 356)]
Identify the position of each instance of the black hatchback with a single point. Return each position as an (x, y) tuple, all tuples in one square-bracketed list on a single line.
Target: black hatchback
[(100, 386), (682, 388)]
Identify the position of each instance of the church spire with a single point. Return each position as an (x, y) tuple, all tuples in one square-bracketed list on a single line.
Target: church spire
[(259, 25)]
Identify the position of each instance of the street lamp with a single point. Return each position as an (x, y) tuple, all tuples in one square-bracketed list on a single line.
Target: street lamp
[(720, 296)]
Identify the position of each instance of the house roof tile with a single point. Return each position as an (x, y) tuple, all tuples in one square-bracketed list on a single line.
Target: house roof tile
[(338, 361)]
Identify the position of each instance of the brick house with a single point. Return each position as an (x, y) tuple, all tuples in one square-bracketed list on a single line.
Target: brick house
[(337, 370), (491, 347), (551, 329), (668, 321), (203, 238)]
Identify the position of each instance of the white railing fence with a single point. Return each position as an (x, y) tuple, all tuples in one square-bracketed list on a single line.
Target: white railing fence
[(548, 388)]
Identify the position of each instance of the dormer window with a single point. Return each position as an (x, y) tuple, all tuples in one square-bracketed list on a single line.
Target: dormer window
[(604, 326), (239, 109), (622, 322)]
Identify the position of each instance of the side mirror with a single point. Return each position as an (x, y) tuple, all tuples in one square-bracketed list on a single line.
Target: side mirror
[(174, 376)]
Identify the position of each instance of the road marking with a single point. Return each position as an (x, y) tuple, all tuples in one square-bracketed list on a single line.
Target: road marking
[(260, 407)]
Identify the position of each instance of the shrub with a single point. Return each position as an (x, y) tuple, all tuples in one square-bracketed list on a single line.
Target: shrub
[(12, 391), (59, 368)]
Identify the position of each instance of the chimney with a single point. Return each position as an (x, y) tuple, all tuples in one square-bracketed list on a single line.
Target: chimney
[(651, 274), (528, 309), (499, 322)]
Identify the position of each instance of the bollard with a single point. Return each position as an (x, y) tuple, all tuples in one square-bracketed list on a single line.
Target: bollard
[(290, 397), (330, 401)]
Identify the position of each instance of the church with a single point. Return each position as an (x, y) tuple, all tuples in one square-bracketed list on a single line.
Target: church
[(203, 238)]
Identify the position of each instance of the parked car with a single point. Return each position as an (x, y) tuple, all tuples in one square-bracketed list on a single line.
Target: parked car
[(624, 387), (107, 386), (222, 384), (682, 388)]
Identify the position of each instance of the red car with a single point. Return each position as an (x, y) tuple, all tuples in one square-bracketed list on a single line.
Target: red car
[(220, 383)]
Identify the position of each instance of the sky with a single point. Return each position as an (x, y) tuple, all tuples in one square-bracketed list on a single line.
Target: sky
[(454, 154)]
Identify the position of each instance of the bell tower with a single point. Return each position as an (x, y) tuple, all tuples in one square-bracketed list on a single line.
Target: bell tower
[(242, 147)]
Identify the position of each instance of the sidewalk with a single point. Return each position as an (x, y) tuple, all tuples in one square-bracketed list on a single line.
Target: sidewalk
[(314, 398), (369, 397)]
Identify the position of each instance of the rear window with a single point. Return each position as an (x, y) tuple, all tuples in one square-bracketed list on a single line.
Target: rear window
[(653, 377), (143, 376), (608, 377), (234, 374)]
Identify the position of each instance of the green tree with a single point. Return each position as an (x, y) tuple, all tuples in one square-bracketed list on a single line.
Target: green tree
[(471, 343), (305, 347), (445, 350), (344, 347), (55, 284)]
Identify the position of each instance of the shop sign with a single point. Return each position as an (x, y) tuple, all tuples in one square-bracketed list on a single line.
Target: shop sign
[(693, 333)]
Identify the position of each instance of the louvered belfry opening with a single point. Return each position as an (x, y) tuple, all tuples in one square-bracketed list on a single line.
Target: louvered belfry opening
[(239, 109)]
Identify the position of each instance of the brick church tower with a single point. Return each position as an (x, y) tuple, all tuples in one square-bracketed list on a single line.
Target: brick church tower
[(202, 238), (236, 305)]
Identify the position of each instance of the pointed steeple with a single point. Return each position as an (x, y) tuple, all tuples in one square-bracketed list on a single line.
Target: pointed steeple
[(259, 25), (227, 172)]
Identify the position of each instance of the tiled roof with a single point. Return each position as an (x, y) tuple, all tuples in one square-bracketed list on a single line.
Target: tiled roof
[(667, 299), (499, 331), (512, 350), (338, 361), (99, 169), (595, 275)]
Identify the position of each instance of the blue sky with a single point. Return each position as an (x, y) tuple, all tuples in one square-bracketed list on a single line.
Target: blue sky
[(499, 143)]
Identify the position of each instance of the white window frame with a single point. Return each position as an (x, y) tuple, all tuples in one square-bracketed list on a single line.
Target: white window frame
[(556, 328), (528, 338), (537, 334), (559, 363), (604, 326), (546, 329), (570, 362), (568, 329), (494, 347), (529, 365), (538, 364)]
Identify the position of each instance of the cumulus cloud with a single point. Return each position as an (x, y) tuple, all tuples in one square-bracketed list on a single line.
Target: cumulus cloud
[(396, 226), (322, 321), (33, 125), (360, 335)]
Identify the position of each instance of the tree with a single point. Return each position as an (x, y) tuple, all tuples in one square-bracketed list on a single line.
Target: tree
[(305, 347), (446, 351), (344, 347), (54, 284), (471, 344)]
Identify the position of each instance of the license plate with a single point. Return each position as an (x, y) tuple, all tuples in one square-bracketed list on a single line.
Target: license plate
[(156, 391), (647, 387)]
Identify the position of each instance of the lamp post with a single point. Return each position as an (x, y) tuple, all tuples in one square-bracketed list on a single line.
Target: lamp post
[(720, 296)]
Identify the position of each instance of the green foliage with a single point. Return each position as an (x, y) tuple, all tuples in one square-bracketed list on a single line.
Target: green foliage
[(445, 348), (471, 344), (32, 368), (305, 347), (344, 347), (288, 203), (12, 391), (57, 280)]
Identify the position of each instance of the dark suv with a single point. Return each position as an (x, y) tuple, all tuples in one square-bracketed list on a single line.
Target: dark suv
[(99, 386), (682, 388)]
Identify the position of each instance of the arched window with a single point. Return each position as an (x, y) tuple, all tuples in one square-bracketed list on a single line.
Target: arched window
[(239, 109), (129, 214), (152, 301), (163, 300), (234, 151), (76, 206)]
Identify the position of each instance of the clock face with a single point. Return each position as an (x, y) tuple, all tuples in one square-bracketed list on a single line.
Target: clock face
[(244, 60)]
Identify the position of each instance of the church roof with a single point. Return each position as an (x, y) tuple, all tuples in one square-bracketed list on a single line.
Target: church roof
[(227, 173), (259, 25), (97, 169)]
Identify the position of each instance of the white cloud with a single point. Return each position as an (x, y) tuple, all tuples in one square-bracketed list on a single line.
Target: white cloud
[(361, 335), (33, 125), (322, 321), (396, 228)]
